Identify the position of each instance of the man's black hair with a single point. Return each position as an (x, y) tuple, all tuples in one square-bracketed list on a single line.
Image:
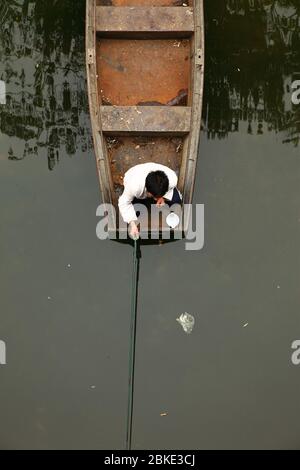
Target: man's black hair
[(157, 183)]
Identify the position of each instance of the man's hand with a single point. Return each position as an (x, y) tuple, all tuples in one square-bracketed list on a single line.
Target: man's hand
[(160, 202), (133, 230)]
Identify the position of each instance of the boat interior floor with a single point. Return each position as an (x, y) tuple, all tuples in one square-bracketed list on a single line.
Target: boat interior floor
[(133, 72), (147, 3), (123, 150)]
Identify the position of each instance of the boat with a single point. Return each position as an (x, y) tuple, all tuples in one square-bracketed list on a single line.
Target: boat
[(145, 76)]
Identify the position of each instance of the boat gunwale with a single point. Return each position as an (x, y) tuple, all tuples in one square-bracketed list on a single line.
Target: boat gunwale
[(188, 168), (103, 171)]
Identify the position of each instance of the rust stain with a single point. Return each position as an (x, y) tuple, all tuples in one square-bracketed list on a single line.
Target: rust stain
[(132, 72), (114, 64)]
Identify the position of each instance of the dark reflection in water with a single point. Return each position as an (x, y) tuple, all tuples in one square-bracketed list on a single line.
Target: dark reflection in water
[(43, 64), (252, 59)]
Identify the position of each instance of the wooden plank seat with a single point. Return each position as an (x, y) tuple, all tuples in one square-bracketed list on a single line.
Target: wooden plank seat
[(167, 120), (154, 21)]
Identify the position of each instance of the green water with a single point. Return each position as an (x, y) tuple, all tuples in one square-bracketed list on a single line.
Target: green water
[(65, 295)]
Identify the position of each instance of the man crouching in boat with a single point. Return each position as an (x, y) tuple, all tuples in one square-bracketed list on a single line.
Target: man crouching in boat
[(151, 181)]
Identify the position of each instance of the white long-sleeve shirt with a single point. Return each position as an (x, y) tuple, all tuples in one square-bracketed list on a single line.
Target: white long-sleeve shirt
[(134, 186)]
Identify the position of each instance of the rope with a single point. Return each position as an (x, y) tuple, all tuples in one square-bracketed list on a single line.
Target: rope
[(134, 292)]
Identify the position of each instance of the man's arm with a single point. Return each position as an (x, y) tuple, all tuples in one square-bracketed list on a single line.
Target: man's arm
[(128, 213), (126, 207)]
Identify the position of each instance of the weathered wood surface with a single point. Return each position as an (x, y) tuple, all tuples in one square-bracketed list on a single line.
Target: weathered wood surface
[(161, 20), (146, 119), (190, 157), (104, 173)]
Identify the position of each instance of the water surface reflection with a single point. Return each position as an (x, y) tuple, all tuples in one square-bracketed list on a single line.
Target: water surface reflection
[(42, 63), (252, 59)]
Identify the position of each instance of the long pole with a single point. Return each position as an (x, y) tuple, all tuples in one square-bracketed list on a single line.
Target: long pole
[(134, 295)]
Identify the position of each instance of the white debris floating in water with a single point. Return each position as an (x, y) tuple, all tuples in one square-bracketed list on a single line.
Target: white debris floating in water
[(187, 322)]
